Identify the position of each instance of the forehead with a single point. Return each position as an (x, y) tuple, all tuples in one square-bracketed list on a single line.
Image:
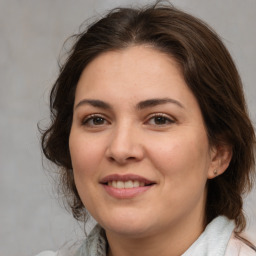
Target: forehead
[(138, 66)]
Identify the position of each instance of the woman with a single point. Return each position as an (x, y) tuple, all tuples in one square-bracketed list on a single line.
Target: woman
[(151, 133)]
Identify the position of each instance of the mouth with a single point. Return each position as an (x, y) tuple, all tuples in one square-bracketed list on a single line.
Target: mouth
[(126, 186), (126, 181)]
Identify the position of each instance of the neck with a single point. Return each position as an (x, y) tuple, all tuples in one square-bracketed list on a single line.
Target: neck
[(171, 241)]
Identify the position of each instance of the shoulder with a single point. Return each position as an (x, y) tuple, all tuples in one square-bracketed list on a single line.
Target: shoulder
[(47, 253), (94, 244), (239, 246)]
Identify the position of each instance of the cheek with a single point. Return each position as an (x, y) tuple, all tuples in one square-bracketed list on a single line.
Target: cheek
[(183, 163), (85, 155), (182, 155)]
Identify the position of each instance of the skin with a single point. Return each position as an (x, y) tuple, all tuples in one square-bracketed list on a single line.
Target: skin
[(171, 149)]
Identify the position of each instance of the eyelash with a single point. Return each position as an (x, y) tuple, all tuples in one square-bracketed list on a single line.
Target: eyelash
[(163, 116), (93, 117)]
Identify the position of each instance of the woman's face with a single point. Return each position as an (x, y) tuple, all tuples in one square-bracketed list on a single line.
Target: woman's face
[(138, 144)]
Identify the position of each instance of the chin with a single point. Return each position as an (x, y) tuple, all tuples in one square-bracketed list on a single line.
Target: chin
[(127, 224), (128, 230)]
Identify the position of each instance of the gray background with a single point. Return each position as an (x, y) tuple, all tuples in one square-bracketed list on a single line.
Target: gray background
[(31, 36)]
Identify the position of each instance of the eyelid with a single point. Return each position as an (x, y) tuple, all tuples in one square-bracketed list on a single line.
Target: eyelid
[(168, 117), (91, 116)]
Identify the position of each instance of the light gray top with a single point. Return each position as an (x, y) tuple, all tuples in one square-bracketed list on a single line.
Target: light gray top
[(212, 242)]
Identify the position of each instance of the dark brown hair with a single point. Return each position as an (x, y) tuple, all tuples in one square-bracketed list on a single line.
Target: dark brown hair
[(209, 72)]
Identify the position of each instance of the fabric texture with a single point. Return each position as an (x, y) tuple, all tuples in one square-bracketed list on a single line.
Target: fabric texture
[(218, 239), (238, 246)]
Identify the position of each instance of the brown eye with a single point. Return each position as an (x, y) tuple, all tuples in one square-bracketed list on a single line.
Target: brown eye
[(160, 119), (98, 120), (94, 121)]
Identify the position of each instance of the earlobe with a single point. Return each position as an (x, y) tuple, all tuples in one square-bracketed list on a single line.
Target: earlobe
[(220, 158)]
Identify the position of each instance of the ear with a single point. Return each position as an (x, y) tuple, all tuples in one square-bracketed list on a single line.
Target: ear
[(220, 158)]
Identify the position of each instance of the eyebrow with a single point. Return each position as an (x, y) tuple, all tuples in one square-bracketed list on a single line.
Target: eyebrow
[(94, 103), (155, 102), (141, 105)]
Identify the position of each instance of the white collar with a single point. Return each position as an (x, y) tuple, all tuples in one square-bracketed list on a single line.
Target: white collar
[(213, 241)]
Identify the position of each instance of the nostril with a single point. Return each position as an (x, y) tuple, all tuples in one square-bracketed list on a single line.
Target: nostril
[(111, 159), (130, 158), (121, 160)]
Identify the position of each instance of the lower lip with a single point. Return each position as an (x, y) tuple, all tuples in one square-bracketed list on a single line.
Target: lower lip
[(126, 193)]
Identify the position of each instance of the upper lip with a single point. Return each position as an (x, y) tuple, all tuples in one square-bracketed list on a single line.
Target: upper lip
[(126, 177)]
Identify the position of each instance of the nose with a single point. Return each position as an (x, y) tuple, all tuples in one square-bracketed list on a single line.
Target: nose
[(125, 145)]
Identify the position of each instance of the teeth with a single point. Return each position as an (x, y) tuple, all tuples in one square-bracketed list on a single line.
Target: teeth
[(114, 184), (136, 184), (126, 184), (120, 184)]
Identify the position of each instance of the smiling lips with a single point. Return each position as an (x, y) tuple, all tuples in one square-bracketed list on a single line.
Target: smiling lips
[(126, 186)]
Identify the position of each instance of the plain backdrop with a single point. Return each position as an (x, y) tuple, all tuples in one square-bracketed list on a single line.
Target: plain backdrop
[(31, 36)]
